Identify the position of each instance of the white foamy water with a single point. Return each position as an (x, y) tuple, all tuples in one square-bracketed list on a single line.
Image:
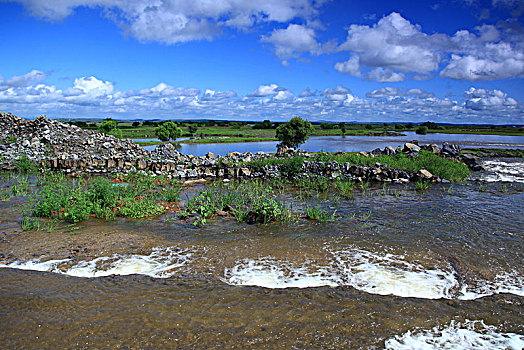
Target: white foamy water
[(385, 274), (391, 275), (270, 273), (511, 283), (161, 263), (501, 171), (357, 268), (468, 335)]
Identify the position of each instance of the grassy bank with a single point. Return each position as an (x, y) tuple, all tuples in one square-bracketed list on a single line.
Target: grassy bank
[(438, 166)]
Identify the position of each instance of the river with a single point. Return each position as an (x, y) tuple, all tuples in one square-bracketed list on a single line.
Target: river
[(397, 269), (354, 143)]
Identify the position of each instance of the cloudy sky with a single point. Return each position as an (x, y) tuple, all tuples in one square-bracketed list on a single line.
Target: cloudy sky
[(459, 61)]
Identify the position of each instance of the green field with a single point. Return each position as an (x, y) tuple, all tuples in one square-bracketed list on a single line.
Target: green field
[(230, 132)]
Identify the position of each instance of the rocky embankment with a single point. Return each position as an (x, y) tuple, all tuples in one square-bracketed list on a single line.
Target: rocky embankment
[(76, 151)]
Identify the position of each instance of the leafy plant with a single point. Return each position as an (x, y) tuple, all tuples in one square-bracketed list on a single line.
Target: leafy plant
[(315, 212), (110, 127), (294, 133), (421, 185), (422, 130), (168, 131), (345, 188)]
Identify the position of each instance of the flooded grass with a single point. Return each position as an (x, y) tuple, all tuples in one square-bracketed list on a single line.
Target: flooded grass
[(438, 166)]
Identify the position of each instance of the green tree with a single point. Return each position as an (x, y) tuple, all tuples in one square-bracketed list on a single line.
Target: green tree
[(327, 126), (430, 125), (192, 129), (168, 131), (294, 133), (107, 125), (422, 130), (266, 124), (110, 127), (342, 127), (136, 124), (399, 126)]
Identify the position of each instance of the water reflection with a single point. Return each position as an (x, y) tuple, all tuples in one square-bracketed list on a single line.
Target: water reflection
[(357, 143)]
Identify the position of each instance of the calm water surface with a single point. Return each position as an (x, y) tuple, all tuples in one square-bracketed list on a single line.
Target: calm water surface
[(397, 269), (357, 143)]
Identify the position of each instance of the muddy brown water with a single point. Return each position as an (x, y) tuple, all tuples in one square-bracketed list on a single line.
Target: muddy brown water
[(390, 264)]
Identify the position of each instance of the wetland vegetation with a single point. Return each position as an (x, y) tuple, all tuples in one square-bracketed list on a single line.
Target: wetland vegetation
[(234, 131), (296, 195)]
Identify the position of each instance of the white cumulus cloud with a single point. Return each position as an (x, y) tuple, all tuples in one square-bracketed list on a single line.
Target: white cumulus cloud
[(174, 21), (480, 99), (95, 97), (392, 43), (266, 90), (293, 41), (394, 49), (27, 79)]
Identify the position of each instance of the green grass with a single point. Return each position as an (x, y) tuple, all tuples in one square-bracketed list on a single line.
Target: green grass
[(438, 166), (252, 202), (247, 131), (25, 166), (435, 164), (421, 185), (345, 188), (316, 212), (76, 200)]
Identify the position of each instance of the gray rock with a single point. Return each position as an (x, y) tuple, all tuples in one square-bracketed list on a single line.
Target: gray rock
[(390, 151), (411, 147)]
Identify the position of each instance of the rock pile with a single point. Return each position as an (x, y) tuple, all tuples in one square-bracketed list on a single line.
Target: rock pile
[(43, 138), (71, 149)]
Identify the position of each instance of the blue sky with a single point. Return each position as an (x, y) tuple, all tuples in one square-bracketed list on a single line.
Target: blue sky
[(458, 61)]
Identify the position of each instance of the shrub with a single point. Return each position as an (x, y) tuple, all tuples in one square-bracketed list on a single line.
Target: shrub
[(107, 125), (192, 129), (292, 166), (168, 131), (266, 124), (295, 132), (422, 130)]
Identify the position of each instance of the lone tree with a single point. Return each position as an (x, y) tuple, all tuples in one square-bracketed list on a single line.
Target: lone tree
[(168, 131), (294, 133), (109, 127), (422, 130), (342, 127)]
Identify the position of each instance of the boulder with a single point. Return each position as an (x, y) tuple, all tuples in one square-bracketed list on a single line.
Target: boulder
[(245, 172), (424, 174), (450, 150), (390, 151), (410, 148)]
